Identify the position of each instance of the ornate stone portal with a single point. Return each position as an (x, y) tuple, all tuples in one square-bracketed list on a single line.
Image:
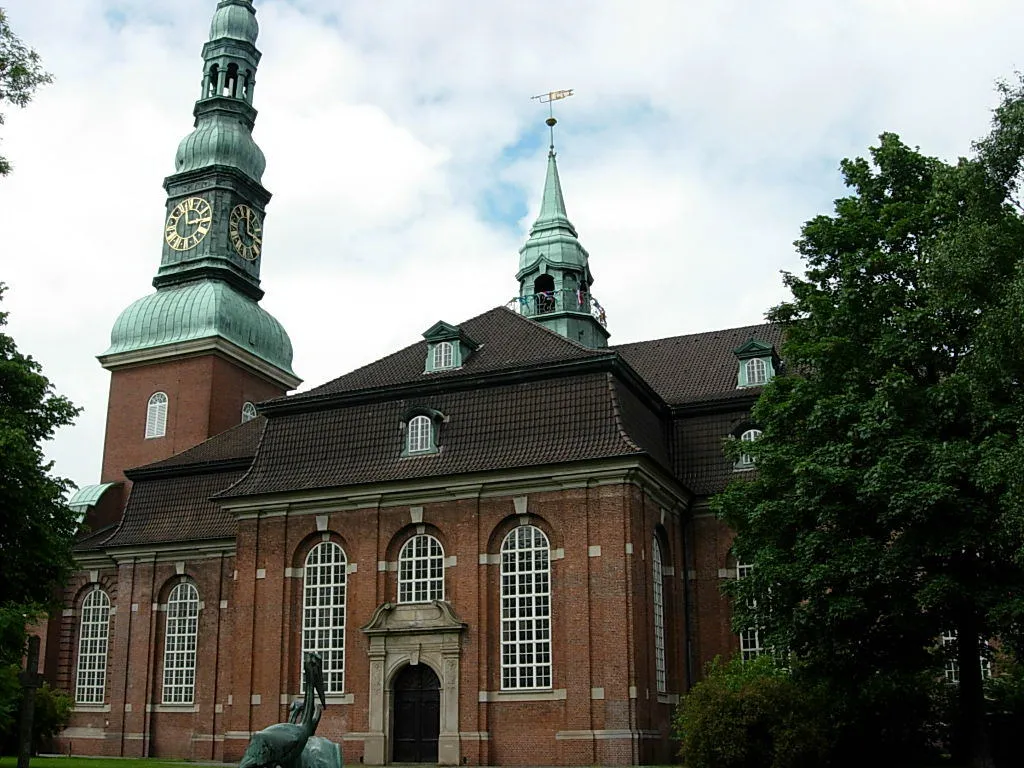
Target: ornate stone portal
[(414, 633)]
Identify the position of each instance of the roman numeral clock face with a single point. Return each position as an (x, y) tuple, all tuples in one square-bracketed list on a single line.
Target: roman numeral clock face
[(246, 232), (188, 223)]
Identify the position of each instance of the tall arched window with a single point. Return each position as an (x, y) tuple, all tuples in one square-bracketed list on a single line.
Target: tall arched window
[(323, 614), (180, 644), (421, 570), (757, 371), (248, 412), (657, 578), (443, 355), (525, 609), (421, 437), (156, 415), (92, 648), (746, 460), (750, 638)]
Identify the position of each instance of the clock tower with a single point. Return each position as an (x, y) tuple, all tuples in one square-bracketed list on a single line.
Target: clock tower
[(189, 360)]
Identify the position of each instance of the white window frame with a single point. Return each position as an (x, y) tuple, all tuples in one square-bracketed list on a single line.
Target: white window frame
[(658, 602), (952, 666), (93, 643), (526, 610), (324, 597), (156, 415), (421, 570), (756, 372), (746, 461), (182, 630), (420, 435), (248, 412), (750, 638), (444, 355)]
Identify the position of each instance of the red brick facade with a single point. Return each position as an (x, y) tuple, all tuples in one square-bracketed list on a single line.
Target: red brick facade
[(205, 395), (603, 706)]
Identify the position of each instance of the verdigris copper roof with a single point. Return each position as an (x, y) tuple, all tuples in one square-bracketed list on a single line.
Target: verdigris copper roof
[(235, 19), (699, 367), (501, 426), (198, 310), (506, 341)]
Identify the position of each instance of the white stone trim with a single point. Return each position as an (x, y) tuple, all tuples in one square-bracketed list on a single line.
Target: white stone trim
[(594, 550), (490, 697)]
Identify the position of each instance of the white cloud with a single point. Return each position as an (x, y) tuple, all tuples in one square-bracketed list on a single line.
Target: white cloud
[(701, 135)]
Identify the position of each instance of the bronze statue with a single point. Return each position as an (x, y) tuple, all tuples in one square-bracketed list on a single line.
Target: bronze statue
[(285, 744)]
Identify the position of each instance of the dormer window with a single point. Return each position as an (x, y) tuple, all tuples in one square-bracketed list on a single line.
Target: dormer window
[(757, 372), (758, 364), (443, 355), (421, 426), (420, 435), (448, 347)]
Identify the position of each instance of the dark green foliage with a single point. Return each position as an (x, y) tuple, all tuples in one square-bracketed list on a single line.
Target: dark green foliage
[(887, 505), (52, 713), (38, 527), (20, 74), (752, 715)]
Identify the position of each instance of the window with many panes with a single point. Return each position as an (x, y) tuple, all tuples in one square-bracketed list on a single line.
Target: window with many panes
[(421, 570), (94, 635), (420, 435), (180, 644), (443, 355), (746, 460), (750, 639), (156, 415), (525, 609), (757, 371), (323, 611), (952, 670), (657, 577)]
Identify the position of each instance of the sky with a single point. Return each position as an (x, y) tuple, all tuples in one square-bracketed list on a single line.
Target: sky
[(406, 157)]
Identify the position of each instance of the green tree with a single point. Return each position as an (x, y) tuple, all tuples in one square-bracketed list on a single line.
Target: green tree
[(38, 527), (887, 503), (20, 74)]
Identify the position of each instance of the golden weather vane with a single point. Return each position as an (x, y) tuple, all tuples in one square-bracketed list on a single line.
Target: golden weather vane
[(548, 98)]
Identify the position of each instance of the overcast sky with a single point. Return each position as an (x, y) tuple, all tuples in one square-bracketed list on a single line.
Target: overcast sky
[(406, 158)]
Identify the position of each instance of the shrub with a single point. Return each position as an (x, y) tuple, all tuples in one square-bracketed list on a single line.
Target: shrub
[(752, 715)]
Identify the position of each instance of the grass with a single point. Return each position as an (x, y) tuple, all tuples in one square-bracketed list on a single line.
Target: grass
[(94, 762)]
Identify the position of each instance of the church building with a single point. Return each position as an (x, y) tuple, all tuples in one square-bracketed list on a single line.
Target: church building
[(497, 537)]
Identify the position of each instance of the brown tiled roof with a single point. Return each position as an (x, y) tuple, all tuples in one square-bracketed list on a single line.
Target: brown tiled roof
[(175, 509), (545, 421), (506, 341), (697, 449), (239, 442), (698, 367), (94, 539)]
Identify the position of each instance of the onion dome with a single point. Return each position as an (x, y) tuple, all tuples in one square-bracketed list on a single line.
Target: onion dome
[(199, 310), (235, 19), (220, 142)]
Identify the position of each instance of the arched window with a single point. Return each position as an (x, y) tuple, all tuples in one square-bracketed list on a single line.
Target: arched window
[(156, 415), (757, 371), (443, 355), (323, 611), (750, 638), (211, 84), (525, 609), (421, 570), (248, 412), (746, 460), (92, 648), (544, 293), (180, 644), (231, 83), (657, 578), (421, 436)]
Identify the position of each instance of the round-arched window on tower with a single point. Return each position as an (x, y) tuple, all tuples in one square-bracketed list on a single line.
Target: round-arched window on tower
[(156, 415), (248, 412)]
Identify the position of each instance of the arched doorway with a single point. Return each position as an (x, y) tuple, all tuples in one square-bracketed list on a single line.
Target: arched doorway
[(417, 715)]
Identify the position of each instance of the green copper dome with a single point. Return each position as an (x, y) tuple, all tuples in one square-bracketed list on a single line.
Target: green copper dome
[(220, 142), (235, 19), (200, 310)]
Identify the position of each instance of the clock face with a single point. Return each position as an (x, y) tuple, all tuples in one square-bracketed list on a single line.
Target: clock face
[(188, 223), (246, 232)]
